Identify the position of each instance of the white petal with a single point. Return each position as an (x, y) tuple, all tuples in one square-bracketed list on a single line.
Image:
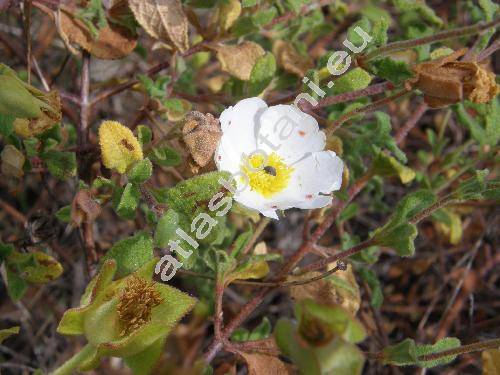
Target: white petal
[(319, 172), (289, 132), (239, 124), (319, 201)]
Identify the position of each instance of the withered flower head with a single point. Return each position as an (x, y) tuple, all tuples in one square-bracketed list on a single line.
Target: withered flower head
[(447, 81), (201, 133), (136, 302)]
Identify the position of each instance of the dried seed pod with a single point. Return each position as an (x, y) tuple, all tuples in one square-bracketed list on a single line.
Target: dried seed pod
[(447, 81), (201, 134)]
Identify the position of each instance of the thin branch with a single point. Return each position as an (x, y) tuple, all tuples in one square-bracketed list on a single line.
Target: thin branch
[(366, 109), (411, 122), (439, 37), (476, 347), (84, 100), (375, 89)]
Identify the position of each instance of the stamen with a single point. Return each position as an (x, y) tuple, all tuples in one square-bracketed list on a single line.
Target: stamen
[(136, 302)]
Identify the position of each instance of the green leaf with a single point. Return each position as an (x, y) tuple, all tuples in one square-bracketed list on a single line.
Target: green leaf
[(317, 322), (401, 354), (400, 238), (144, 362), (241, 242), (194, 194), (355, 79), (165, 156), (264, 16), (165, 229), (373, 282), (253, 268), (407, 353), (16, 286), (15, 99), (64, 214), (426, 12), (220, 262), (5, 250), (6, 124), (45, 269), (144, 134), (385, 165), (6, 333), (248, 3), (285, 334), (131, 253), (489, 8), (485, 125), (473, 188), (395, 71), (440, 346), (102, 182), (140, 172), (262, 74), (128, 201), (262, 331), (61, 164)]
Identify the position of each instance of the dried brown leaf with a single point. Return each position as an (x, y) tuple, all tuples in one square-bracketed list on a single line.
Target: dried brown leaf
[(290, 59), (163, 20), (259, 364), (238, 60), (12, 161), (113, 42)]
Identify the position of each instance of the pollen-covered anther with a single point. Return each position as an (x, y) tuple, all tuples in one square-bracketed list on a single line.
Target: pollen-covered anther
[(269, 179), (136, 302)]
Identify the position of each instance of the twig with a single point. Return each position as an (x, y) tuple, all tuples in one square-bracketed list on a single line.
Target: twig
[(18, 216), (439, 37), (411, 122), (495, 46), (84, 100), (366, 109), (375, 89), (476, 347)]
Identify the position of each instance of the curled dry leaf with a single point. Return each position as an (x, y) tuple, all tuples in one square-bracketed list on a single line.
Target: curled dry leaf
[(27, 128), (447, 81), (290, 59), (339, 289), (238, 60), (114, 42), (201, 133), (264, 364), (12, 161), (163, 20), (84, 208)]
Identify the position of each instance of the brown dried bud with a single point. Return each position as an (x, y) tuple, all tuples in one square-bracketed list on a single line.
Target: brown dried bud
[(201, 133), (447, 81)]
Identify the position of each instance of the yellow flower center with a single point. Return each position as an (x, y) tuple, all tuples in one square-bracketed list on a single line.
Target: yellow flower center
[(266, 177)]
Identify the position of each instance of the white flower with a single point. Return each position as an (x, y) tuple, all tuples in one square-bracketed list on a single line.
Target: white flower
[(276, 156)]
